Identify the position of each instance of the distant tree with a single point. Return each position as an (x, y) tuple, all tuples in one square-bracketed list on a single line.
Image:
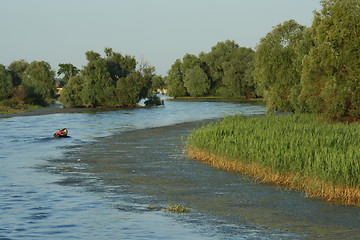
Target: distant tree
[(196, 82), (98, 82), (227, 67), (158, 83), (71, 93), (275, 62), (17, 69), (174, 81), (236, 81), (5, 83), (330, 79), (131, 89), (215, 59), (190, 61), (108, 81), (39, 83), (68, 70)]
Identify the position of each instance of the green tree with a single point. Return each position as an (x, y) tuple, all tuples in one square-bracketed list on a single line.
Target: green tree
[(71, 93), (17, 69), (5, 83), (196, 82), (39, 83), (276, 71), (174, 81), (331, 71), (98, 84), (68, 70), (108, 81), (236, 80), (214, 60), (131, 89)]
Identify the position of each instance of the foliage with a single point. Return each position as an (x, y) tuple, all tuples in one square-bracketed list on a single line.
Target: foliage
[(6, 83), (224, 71), (71, 94), (276, 65), (237, 80), (131, 89), (39, 83), (109, 81), (17, 69), (153, 100), (196, 82), (177, 208), (174, 81), (331, 75), (295, 143), (315, 69), (68, 70)]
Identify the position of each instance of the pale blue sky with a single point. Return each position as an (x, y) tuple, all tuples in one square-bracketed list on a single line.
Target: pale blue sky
[(157, 31)]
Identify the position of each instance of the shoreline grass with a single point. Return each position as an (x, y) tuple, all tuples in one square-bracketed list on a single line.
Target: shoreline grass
[(296, 152)]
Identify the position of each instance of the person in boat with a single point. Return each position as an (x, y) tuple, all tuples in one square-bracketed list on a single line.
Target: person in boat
[(59, 132)]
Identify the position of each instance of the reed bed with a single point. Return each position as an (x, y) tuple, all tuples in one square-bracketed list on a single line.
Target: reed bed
[(295, 151)]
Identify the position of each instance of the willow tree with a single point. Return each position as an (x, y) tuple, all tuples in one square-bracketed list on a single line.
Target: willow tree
[(5, 83), (174, 81), (39, 82), (331, 74), (276, 65), (196, 82)]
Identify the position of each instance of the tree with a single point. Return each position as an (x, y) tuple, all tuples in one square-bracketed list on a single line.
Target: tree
[(68, 70), (98, 82), (196, 82), (17, 69), (215, 59), (108, 81), (236, 80), (174, 81), (331, 72), (276, 71), (5, 83), (71, 93), (131, 89), (39, 83)]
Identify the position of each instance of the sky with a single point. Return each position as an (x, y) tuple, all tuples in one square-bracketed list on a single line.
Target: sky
[(154, 31)]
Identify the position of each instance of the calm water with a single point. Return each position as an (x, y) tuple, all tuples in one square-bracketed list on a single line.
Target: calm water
[(100, 183)]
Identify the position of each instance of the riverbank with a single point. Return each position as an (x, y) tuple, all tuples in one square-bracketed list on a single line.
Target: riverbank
[(295, 152)]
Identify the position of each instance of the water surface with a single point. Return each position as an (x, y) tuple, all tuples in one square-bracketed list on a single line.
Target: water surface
[(99, 183)]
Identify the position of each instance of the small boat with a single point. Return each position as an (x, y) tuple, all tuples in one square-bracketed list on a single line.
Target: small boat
[(63, 133)]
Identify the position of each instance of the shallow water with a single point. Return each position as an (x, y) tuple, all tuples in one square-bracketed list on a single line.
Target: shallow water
[(99, 183)]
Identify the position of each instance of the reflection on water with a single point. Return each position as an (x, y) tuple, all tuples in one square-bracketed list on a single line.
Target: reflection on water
[(99, 183)]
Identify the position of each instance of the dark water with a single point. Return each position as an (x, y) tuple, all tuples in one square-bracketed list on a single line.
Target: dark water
[(100, 183)]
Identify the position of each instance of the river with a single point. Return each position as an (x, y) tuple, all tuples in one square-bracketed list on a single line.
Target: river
[(105, 181)]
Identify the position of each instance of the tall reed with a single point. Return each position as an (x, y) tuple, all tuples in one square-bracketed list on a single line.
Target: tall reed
[(296, 145)]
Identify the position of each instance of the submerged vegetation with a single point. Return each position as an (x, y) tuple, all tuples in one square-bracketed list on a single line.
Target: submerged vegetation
[(171, 207), (297, 151)]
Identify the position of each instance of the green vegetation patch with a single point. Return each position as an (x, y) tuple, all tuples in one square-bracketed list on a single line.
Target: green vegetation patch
[(295, 143)]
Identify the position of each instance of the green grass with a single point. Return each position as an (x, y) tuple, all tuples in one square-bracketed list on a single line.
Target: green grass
[(294, 143)]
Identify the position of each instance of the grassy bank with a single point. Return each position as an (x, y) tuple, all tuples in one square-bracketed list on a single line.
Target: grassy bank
[(295, 151)]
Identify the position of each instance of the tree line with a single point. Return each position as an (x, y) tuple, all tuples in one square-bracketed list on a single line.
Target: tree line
[(225, 71), (113, 80), (294, 68), (26, 83)]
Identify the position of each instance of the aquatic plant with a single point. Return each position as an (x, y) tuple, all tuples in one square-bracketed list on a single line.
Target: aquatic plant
[(176, 208), (298, 151)]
